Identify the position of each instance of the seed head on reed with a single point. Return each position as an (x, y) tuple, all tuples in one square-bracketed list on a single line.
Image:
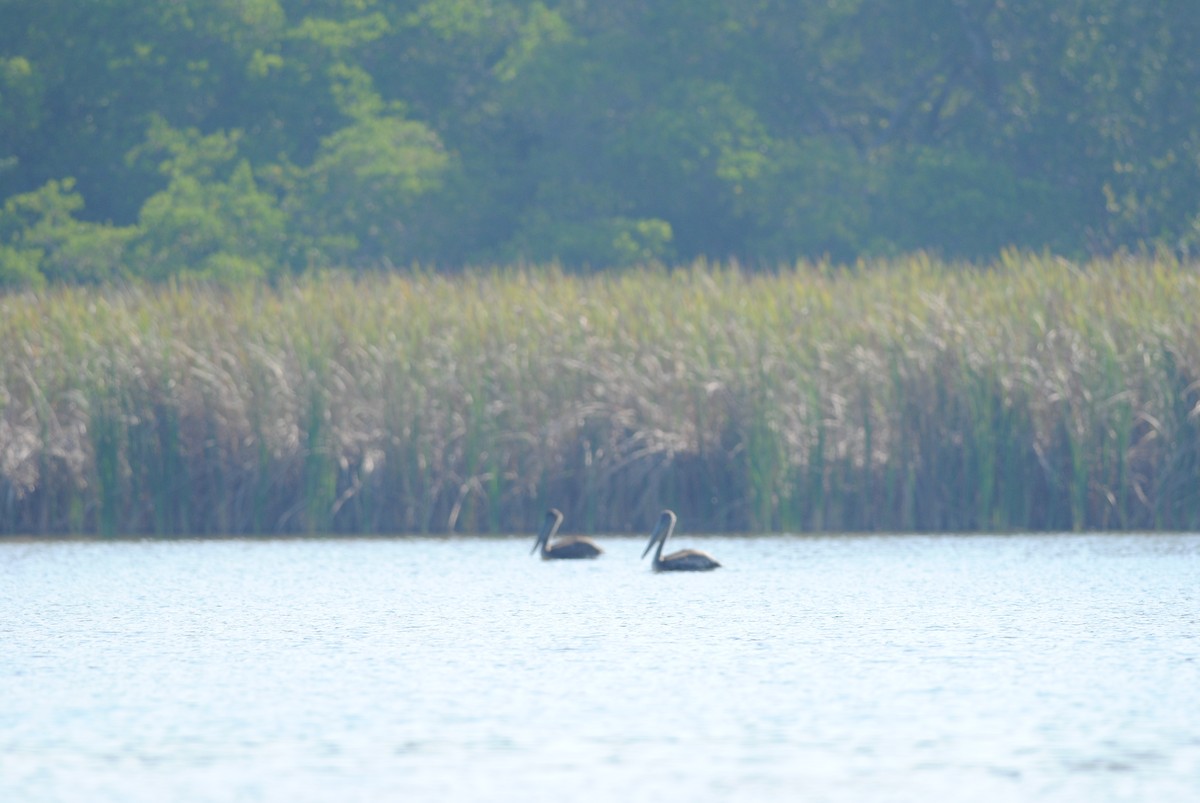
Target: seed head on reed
[(910, 394)]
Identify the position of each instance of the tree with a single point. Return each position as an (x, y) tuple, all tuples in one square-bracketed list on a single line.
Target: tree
[(212, 219), (383, 132), (41, 240)]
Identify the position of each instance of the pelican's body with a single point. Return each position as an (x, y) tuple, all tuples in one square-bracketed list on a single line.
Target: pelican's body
[(572, 548), (685, 560)]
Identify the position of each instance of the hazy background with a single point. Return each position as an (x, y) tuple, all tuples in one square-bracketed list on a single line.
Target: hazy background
[(259, 137)]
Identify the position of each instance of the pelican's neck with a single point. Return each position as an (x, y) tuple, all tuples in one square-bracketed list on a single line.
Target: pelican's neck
[(662, 541), (549, 528)]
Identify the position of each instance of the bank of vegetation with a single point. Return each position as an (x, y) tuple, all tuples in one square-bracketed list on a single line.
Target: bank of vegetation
[(268, 138), (1033, 393)]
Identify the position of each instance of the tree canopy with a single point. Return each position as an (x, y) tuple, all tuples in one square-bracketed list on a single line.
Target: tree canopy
[(248, 138)]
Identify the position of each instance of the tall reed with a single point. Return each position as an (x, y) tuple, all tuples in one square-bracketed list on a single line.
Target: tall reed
[(1033, 393)]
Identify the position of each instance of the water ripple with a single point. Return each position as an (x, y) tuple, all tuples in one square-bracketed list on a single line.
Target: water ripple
[(868, 668)]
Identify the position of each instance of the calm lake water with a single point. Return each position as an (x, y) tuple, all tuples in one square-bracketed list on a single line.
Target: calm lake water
[(893, 668)]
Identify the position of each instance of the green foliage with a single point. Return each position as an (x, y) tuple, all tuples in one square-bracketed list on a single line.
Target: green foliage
[(450, 132), (359, 201), (600, 243), (19, 268), (42, 240), (20, 96), (212, 220), (977, 203), (831, 217)]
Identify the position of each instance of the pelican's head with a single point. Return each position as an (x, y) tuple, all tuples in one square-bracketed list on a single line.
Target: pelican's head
[(666, 524), (549, 527)]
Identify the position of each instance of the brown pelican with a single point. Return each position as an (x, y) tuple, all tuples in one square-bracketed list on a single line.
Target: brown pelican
[(573, 547), (685, 560)]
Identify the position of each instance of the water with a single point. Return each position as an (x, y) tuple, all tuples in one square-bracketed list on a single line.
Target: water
[(826, 669)]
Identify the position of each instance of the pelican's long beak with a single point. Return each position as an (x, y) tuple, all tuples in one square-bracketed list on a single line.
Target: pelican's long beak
[(542, 535), (658, 529)]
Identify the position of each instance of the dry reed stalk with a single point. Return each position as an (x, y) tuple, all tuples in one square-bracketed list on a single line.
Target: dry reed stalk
[(908, 395)]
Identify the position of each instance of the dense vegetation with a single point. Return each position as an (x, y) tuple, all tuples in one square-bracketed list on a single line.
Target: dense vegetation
[(236, 138), (148, 147), (1036, 393)]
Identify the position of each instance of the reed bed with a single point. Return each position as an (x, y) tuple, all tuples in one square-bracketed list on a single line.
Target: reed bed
[(1031, 394)]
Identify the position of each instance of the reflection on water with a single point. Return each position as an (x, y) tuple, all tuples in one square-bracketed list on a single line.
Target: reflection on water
[(873, 668)]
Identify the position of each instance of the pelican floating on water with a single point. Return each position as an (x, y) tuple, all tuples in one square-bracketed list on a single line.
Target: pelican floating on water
[(685, 560), (573, 547)]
